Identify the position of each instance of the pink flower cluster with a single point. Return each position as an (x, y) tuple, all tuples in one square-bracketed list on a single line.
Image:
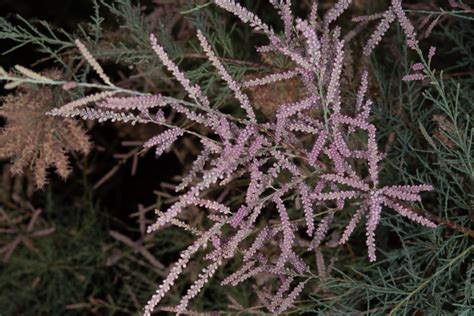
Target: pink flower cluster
[(307, 152)]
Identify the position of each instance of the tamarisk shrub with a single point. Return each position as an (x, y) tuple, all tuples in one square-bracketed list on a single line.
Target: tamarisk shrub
[(311, 150)]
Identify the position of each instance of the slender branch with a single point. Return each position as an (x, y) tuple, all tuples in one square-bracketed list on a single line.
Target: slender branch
[(442, 221), (230, 60)]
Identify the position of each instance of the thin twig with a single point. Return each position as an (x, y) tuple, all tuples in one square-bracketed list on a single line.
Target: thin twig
[(230, 60)]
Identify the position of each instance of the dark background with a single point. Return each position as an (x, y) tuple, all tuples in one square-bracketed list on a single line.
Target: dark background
[(121, 193), (62, 13)]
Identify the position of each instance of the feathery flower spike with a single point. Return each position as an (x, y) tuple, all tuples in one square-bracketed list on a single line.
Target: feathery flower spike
[(93, 62), (233, 85)]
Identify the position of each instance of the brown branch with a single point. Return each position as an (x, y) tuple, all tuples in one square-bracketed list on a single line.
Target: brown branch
[(230, 60), (452, 225), (442, 221)]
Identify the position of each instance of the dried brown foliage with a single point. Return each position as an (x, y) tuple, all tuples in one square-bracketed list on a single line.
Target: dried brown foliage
[(35, 141), (268, 98)]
